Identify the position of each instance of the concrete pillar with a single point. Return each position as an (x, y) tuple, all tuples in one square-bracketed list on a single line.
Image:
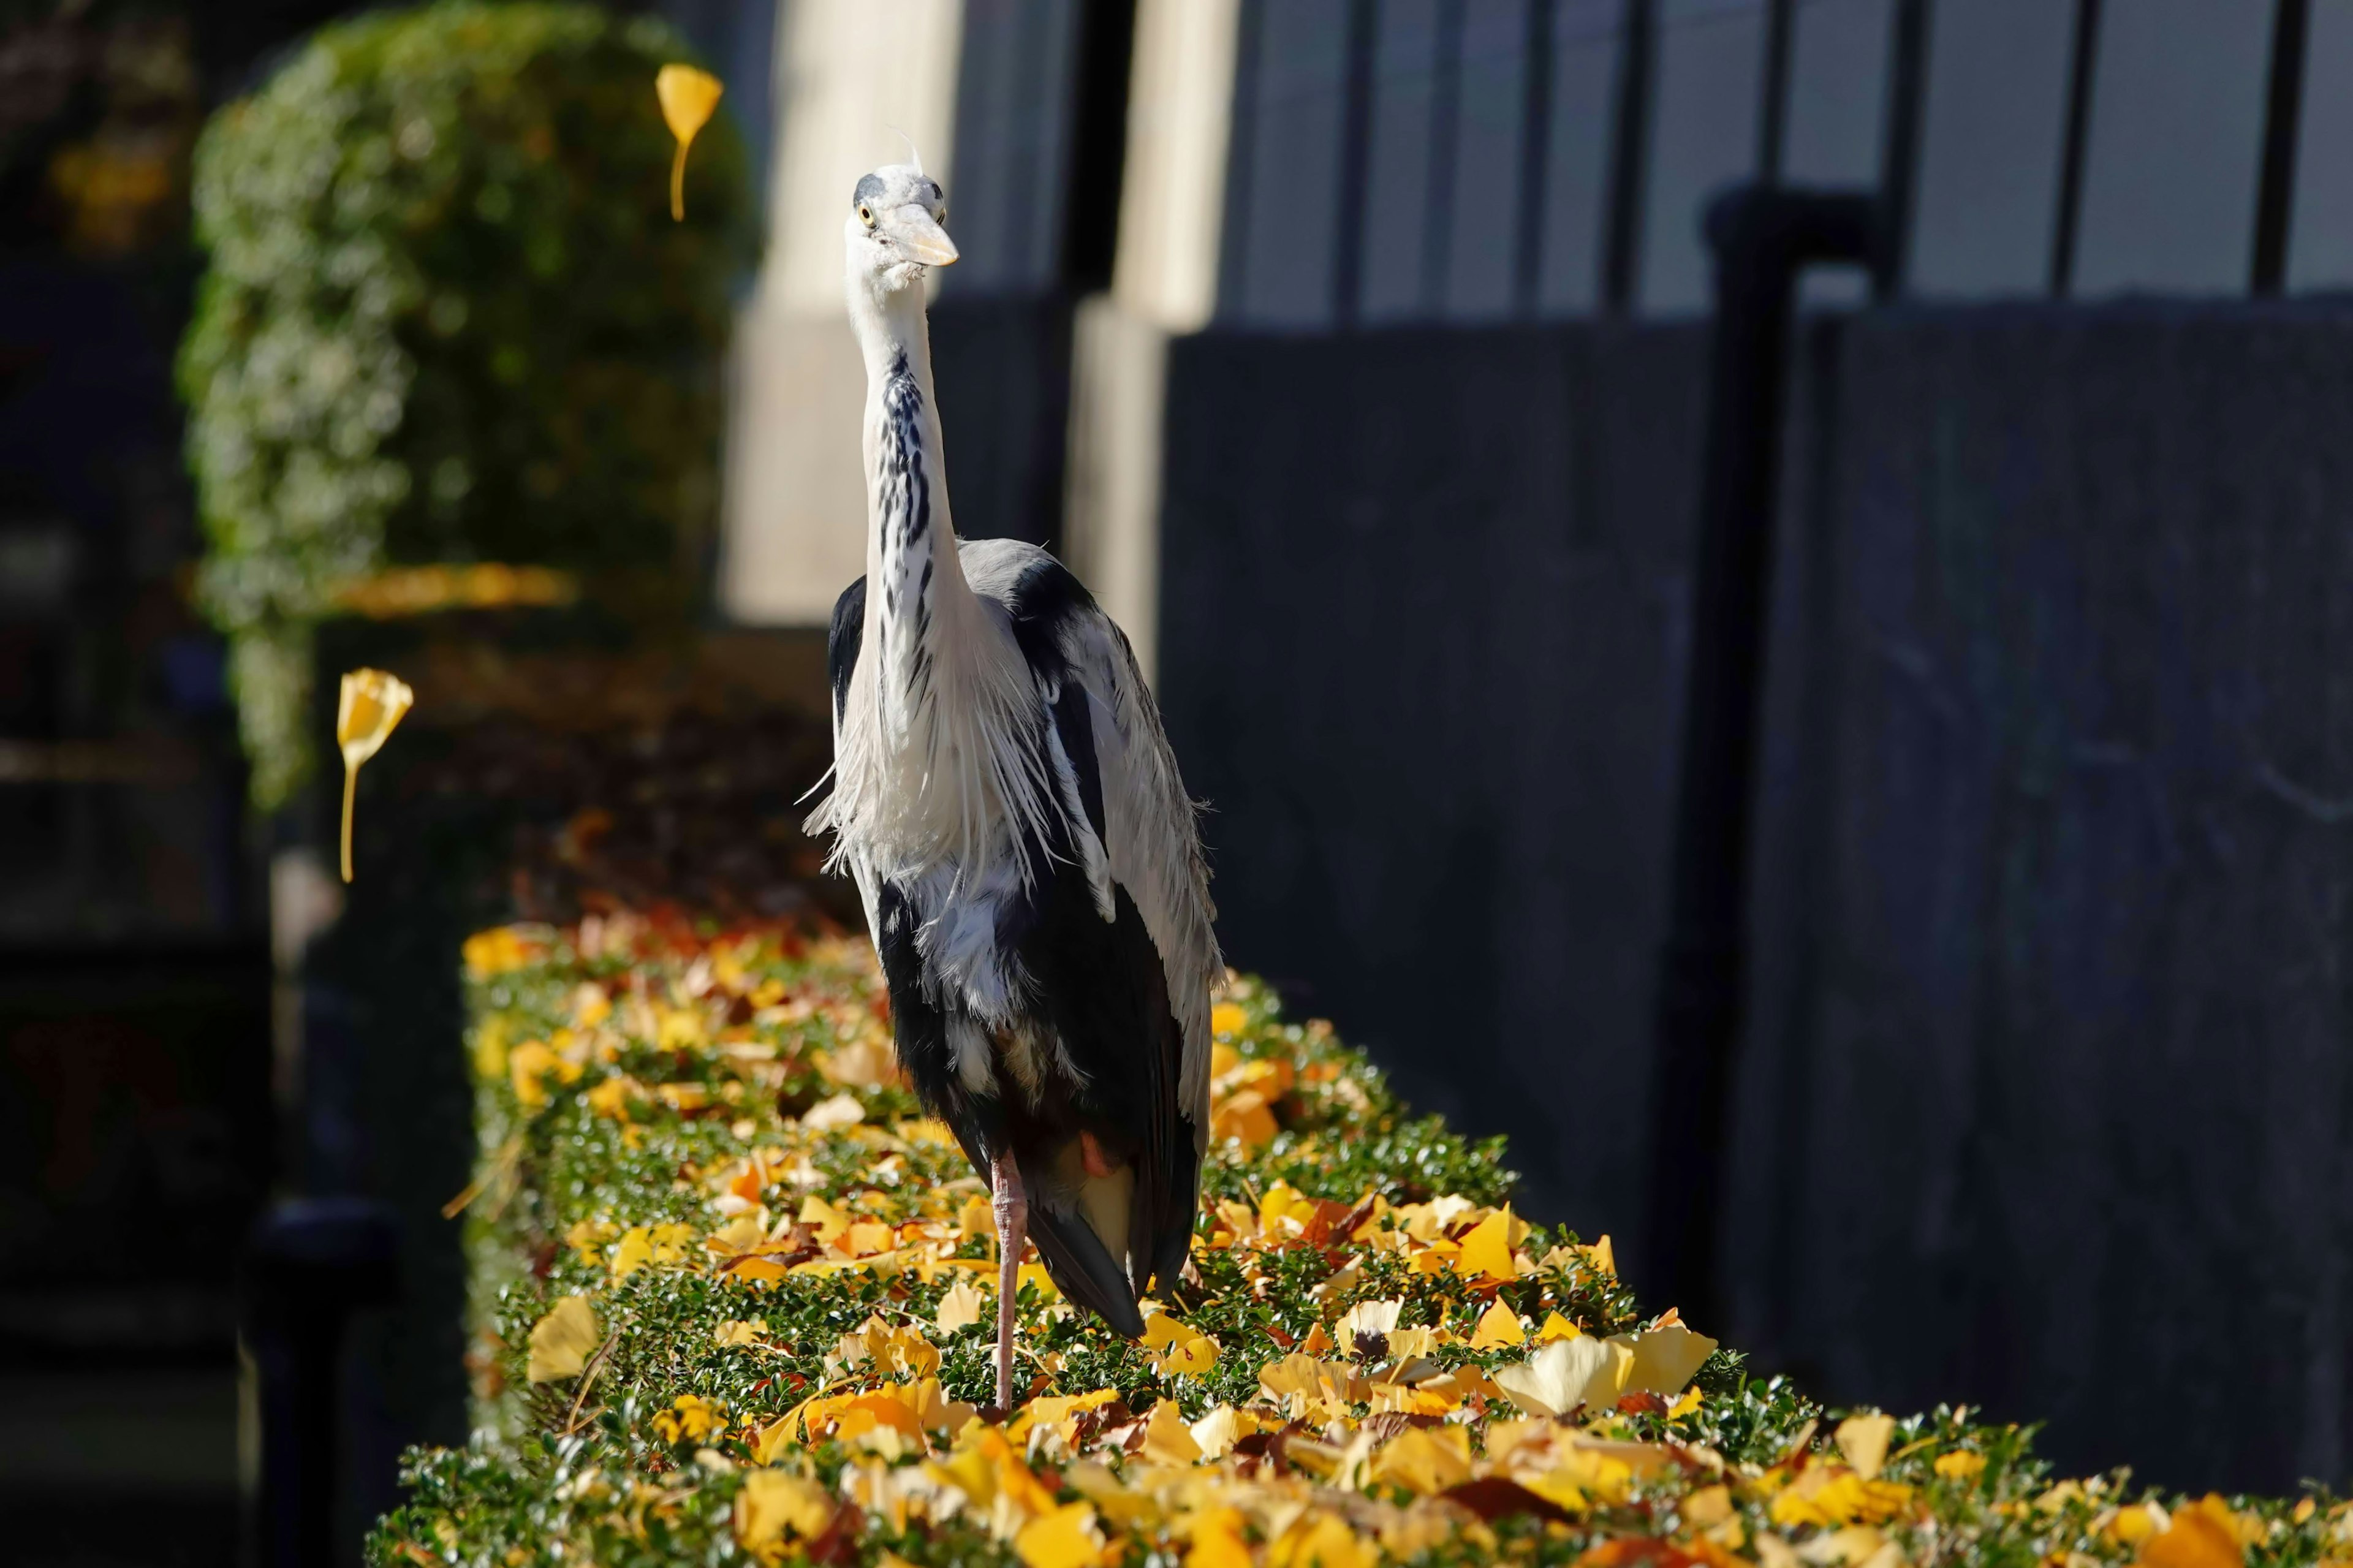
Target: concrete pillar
[(1164, 282)]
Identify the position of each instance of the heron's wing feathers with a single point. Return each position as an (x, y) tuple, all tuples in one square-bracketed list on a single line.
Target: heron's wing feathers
[(1115, 939), (1152, 841)]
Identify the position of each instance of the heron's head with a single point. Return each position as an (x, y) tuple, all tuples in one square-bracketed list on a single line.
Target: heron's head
[(896, 227)]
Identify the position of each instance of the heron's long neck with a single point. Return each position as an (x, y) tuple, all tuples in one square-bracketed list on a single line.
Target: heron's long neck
[(918, 604)]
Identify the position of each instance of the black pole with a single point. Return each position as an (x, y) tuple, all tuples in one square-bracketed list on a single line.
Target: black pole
[(309, 1267), (2082, 72), (1628, 158), (1762, 237), (2282, 121)]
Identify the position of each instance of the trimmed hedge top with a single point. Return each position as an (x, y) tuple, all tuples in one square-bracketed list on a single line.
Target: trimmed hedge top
[(449, 319), (734, 1296)]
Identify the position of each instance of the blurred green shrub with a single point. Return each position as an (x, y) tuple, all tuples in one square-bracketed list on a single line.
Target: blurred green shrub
[(449, 319)]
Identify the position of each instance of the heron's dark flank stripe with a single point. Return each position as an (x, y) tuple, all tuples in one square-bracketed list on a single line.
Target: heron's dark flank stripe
[(906, 489)]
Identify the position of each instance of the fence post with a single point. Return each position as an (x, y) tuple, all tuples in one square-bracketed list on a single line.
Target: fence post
[(1762, 237)]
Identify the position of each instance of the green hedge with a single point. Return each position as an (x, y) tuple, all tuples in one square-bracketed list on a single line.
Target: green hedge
[(731, 1295), (447, 317)]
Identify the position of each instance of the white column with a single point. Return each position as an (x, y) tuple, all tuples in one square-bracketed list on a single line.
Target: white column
[(851, 75)]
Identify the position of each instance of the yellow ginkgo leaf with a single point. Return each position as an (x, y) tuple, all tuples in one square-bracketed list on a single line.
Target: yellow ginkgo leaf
[(688, 98), (1426, 1459), (976, 1221), (1567, 1373), (1500, 1326), (1166, 1439), (1065, 1537), (1863, 1439), (1178, 1349), (773, 1503), (1487, 1251), (1221, 1429), (962, 1307), (2203, 1534), (1666, 1359), (1556, 1327), (562, 1342), (1218, 1540), (370, 704)]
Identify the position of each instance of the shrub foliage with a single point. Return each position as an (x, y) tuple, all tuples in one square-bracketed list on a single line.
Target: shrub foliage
[(734, 1304), (447, 317)]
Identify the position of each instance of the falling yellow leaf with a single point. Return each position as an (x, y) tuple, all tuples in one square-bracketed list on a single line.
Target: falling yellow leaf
[(1166, 1439), (1686, 1405), (1227, 1019), (1863, 1440), (562, 1342), (1487, 1251), (960, 1308), (1065, 1537), (687, 98), (1963, 1464), (1499, 1326), (369, 706)]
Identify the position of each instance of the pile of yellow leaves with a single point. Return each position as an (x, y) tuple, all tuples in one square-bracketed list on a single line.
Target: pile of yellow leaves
[(763, 1325)]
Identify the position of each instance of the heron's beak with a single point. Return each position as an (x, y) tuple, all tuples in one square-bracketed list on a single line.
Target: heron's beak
[(923, 240)]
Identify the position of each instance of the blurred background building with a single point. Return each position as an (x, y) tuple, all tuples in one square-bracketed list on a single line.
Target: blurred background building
[(1355, 351), (1380, 430)]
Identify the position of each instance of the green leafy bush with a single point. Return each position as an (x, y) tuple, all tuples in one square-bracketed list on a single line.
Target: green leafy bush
[(449, 319)]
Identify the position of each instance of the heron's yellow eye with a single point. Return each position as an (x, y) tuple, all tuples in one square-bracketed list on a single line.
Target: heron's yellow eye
[(866, 215)]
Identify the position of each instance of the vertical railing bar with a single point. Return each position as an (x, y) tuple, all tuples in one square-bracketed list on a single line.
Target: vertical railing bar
[(1773, 91), (1445, 114), (2081, 72), (1536, 142), (1629, 154), (1899, 166), (1355, 164), (2283, 121), (1241, 146)]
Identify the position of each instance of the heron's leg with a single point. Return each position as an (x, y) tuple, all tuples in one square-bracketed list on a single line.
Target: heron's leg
[(1012, 1232)]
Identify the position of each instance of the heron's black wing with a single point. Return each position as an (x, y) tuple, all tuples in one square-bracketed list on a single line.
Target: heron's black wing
[(1099, 977)]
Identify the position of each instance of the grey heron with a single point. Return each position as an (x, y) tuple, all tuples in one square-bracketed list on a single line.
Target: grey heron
[(1006, 800)]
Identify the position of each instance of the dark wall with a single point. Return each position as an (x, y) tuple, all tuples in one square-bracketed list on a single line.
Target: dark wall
[(2044, 1101)]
